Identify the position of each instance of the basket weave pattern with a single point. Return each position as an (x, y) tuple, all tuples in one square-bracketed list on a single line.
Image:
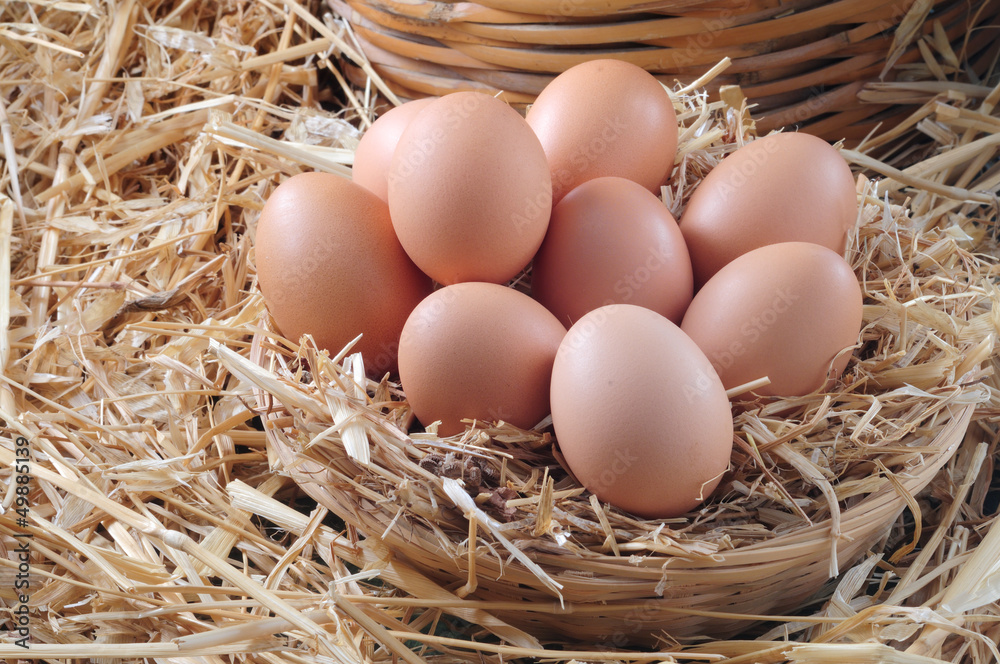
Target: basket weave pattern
[(802, 62)]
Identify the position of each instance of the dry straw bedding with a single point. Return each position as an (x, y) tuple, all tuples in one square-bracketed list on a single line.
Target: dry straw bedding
[(145, 137)]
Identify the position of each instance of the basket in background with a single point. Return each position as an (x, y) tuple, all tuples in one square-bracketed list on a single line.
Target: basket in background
[(801, 62)]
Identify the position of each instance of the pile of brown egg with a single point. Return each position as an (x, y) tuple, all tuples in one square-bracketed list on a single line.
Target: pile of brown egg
[(635, 327)]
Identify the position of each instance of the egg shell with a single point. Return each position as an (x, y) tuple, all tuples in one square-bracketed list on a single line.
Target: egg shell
[(612, 241), (605, 118), (786, 311), (478, 351), (640, 416), (469, 190), (329, 265), (787, 187), (373, 155)]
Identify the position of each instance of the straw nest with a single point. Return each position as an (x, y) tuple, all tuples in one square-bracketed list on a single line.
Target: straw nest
[(812, 62), (139, 141), (815, 482)]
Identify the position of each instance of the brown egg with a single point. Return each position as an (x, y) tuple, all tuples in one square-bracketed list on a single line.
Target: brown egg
[(478, 351), (329, 265), (469, 190), (605, 117), (374, 152), (788, 311), (787, 187), (639, 413), (611, 241)]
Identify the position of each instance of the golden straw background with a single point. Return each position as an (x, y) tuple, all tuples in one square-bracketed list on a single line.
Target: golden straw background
[(139, 142)]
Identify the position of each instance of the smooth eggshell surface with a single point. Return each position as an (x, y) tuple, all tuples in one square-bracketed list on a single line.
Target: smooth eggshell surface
[(478, 351), (374, 152), (787, 187), (612, 241), (788, 311), (605, 117), (469, 190), (639, 413), (329, 265)]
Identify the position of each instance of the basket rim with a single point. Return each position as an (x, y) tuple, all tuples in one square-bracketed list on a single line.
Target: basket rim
[(949, 439)]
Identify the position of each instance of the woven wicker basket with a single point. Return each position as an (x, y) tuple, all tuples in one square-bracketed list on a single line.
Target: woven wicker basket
[(640, 598), (802, 62), (816, 482)]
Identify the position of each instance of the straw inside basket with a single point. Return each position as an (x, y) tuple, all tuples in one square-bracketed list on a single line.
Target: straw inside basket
[(173, 435)]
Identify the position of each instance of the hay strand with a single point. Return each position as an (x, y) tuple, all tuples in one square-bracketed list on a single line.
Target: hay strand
[(170, 427)]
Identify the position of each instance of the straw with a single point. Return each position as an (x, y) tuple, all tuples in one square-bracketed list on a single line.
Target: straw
[(179, 448), (802, 505)]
